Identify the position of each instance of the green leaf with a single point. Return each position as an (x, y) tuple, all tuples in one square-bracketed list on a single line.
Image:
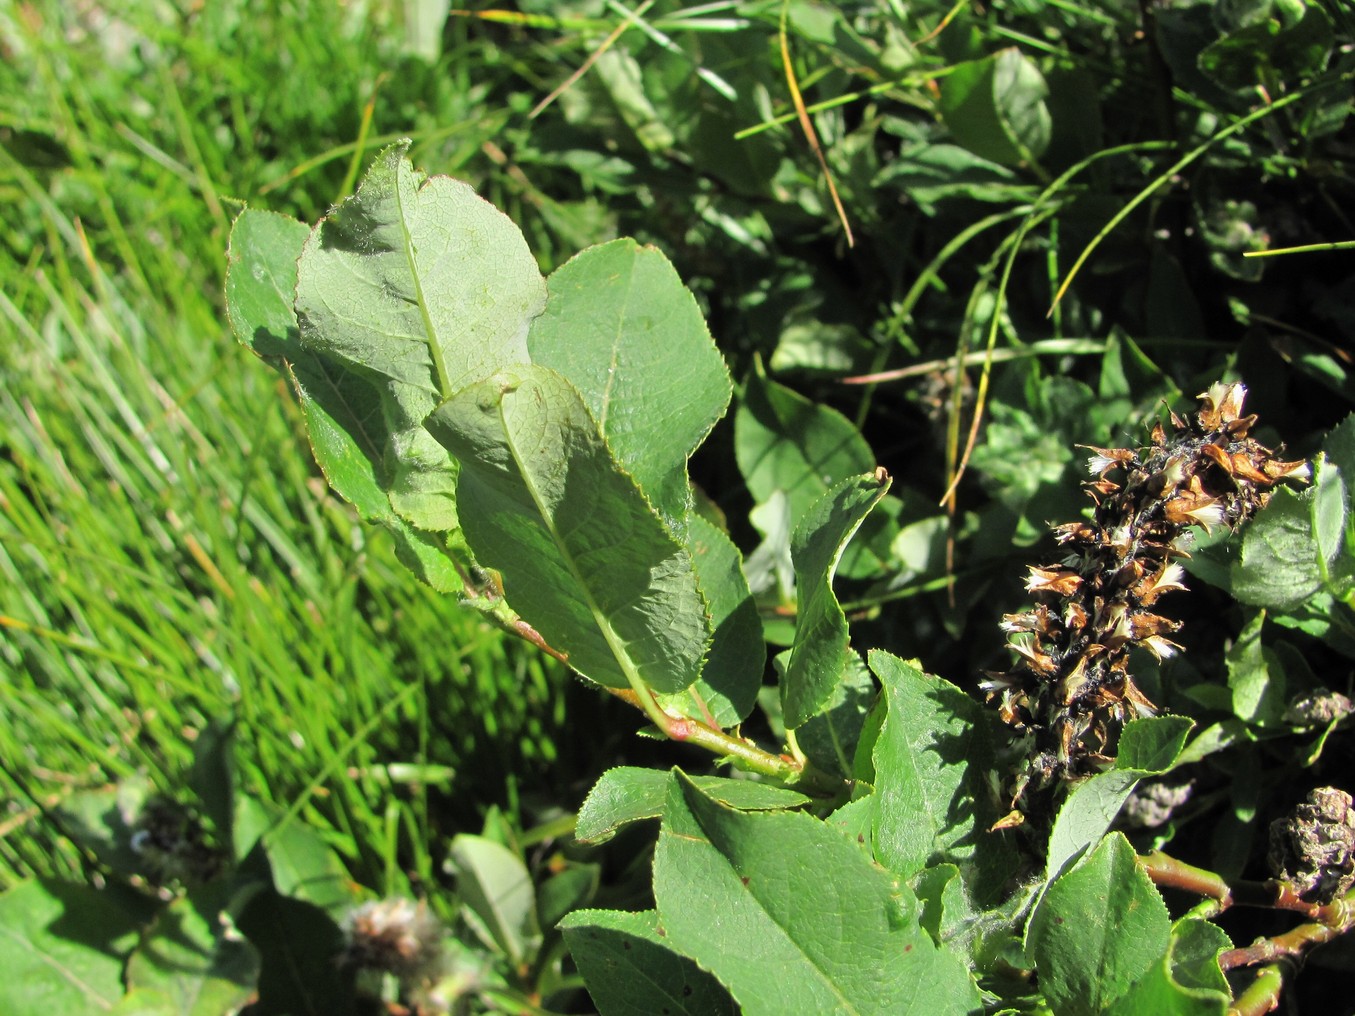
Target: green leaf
[(213, 775), (1099, 930), (1258, 689), (734, 892), (302, 864), (297, 944), (631, 971), (732, 676), (629, 794), (1086, 815), (783, 442), (995, 107), (829, 739), (1152, 744), (572, 887), (621, 326), (585, 560), (64, 946), (188, 957), (496, 887), (820, 648), (931, 804), (1285, 550), (1187, 980), (421, 287), (348, 433)]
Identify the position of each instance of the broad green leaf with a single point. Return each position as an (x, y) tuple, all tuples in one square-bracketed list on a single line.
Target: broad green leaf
[(188, 957), (421, 287), (995, 107), (1152, 744), (931, 804), (1187, 981), (1101, 928), (570, 888), (1258, 688), (820, 649), (1148, 747), (348, 433), (584, 558), (829, 739), (302, 864), (621, 326), (730, 680), (629, 794), (1281, 563), (735, 893), (783, 442), (496, 887), (631, 971), (62, 946)]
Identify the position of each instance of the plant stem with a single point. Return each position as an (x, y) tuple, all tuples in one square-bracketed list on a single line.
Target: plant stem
[(1262, 995), (1167, 871)]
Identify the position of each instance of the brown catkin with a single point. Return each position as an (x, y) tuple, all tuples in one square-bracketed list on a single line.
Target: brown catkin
[(1070, 692)]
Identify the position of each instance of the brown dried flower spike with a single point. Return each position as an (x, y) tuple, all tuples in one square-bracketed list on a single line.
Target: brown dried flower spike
[(1070, 691)]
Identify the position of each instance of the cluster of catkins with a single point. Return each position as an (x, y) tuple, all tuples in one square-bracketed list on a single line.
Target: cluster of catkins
[(1070, 691)]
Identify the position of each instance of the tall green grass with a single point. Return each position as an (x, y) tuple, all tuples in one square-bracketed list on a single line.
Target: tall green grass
[(168, 553)]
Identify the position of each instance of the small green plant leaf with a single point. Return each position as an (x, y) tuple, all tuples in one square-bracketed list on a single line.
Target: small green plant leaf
[(621, 326), (631, 971), (830, 738), (735, 894), (1187, 980), (930, 802), (64, 946), (302, 864), (188, 957), (348, 434), (1255, 677), (1152, 744), (995, 107), (421, 287), (783, 442), (628, 794), (1100, 929), (730, 680), (584, 558), (297, 945), (1289, 547), (820, 649), (571, 888), (496, 888)]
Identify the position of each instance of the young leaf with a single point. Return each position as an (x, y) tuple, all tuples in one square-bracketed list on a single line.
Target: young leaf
[(621, 326), (995, 107), (1100, 929), (830, 738), (730, 680), (1187, 980), (930, 802), (631, 971), (736, 894), (820, 649), (784, 442), (342, 409), (422, 287), (496, 888), (1255, 677), (1287, 551), (584, 558), (302, 864), (629, 794)]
